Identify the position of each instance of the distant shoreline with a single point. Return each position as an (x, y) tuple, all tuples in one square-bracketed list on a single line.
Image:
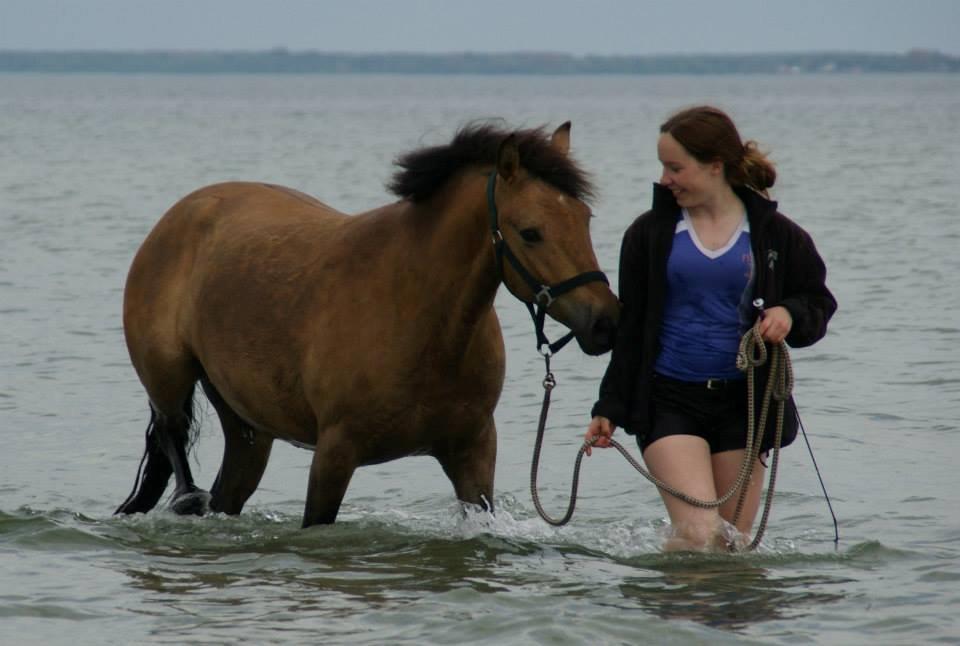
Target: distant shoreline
[(282, 61)]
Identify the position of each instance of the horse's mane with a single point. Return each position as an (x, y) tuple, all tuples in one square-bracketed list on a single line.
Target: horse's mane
[(426, 170)]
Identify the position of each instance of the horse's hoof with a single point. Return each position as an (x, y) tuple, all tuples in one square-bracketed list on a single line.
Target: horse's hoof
[(194, 503)]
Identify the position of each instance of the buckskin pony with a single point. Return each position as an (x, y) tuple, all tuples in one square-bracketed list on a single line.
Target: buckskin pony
[(364, 338)]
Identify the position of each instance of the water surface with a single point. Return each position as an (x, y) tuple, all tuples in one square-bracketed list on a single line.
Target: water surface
[(88, 163)]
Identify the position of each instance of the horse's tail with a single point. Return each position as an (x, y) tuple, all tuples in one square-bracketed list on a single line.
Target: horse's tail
[(155, 466)]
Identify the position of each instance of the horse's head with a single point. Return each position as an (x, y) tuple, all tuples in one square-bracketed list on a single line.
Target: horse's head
[(547, 231)]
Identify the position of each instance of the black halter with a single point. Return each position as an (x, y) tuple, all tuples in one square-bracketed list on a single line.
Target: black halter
[(543, 295)]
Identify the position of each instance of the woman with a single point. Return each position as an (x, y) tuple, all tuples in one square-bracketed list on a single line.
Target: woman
[(690, 269)]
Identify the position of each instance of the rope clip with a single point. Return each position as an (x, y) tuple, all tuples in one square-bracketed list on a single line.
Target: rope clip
[(549, 381)]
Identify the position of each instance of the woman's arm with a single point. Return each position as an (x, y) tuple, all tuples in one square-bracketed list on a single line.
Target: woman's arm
[(621, 374), (806, 296)]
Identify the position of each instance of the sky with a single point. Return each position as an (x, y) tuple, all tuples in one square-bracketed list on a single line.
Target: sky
[(603, 27)]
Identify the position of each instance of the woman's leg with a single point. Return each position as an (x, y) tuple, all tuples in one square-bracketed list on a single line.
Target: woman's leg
[(684, 463), (726, 467)]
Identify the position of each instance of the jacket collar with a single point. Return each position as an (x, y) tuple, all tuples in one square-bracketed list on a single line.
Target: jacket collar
[(757, 205)]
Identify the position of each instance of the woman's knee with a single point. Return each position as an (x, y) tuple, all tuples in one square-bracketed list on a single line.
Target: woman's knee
[(700, 534)]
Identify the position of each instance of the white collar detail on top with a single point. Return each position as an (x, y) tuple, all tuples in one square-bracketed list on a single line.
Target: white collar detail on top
[(685, 224)]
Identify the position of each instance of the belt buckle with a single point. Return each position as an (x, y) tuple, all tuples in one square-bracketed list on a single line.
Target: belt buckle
[(715, 384)]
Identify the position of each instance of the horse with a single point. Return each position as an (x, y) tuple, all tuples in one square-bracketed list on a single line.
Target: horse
[(364, 338)]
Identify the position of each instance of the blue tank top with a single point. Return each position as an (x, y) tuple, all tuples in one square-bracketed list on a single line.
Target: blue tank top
[(707, 308)]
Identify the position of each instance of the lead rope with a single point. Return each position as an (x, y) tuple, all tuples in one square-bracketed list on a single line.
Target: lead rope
[(751, 354)]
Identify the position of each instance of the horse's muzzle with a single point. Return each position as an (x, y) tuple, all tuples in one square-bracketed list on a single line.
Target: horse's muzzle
[(598, 336), (604, 333)]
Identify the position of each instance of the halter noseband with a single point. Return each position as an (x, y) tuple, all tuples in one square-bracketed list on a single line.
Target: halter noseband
[(543, 295)]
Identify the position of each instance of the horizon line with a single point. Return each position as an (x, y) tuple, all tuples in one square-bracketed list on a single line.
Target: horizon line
[(913, 51)]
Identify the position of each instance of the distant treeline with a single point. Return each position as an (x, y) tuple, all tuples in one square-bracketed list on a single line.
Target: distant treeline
[(282, 61)]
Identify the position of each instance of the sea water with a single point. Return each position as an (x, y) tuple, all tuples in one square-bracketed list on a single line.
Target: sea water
[(867, 164)]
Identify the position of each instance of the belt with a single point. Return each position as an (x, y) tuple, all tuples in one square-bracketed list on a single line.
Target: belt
[(720, 384), (709, 384)]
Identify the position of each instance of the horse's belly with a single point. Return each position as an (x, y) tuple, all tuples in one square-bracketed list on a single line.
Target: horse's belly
[(268, 400), (426, 428), (375, 441), (301, 445)]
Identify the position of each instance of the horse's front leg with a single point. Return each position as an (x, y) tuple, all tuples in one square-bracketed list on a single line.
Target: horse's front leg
[(334, 461), (470, 465)]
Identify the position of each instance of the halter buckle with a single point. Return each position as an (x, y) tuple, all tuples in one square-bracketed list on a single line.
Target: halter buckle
[(544, 292)]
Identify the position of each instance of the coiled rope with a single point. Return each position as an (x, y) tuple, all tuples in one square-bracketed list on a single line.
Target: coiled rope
[(752, 354)]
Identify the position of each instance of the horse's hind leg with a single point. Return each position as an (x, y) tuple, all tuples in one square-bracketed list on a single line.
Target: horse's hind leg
[(245, 455), (166, 453), (170, 386), (175, 439), (155, 470), (470, 465)]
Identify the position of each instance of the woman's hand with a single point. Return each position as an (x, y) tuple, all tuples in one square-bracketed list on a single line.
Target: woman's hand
[(775, 324), (601, 429)]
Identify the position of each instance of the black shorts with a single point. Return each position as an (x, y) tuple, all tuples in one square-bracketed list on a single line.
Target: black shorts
[(717, 412)]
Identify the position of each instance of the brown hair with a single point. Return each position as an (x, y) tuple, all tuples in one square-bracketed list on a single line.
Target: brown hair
[(709, 135)]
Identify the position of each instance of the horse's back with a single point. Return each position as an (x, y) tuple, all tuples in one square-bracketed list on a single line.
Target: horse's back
[(267, 204), (242, 221), (214, 218)]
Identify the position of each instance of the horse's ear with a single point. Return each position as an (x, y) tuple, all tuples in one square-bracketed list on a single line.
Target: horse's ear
[(508, 158), (560, 141)]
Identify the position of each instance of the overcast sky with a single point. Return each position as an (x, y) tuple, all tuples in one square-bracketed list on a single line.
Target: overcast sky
[(587, 27)]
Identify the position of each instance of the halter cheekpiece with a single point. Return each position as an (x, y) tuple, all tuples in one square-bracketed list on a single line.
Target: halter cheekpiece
[(543, 295)]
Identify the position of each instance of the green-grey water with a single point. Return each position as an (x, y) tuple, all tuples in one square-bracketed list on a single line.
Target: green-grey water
[(867, 164)]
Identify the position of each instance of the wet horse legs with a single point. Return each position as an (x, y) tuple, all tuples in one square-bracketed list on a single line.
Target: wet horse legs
[(334, 461), (166, 453), (470, 467), (245, 456)]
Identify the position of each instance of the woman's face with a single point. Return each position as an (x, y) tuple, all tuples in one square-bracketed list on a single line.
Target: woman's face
[(692, 183)]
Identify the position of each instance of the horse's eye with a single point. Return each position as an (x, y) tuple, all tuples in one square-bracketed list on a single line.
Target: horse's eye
[(530, 235)]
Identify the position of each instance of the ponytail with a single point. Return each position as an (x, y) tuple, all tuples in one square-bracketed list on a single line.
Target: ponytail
[(755, 170)]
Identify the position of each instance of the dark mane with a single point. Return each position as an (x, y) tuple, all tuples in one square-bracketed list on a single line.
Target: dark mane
[(425, 170)]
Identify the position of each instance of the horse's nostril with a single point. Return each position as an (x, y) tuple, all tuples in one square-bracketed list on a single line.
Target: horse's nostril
[(604, 330)]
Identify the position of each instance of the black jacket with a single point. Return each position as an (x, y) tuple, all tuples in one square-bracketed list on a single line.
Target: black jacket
[(789, 273)]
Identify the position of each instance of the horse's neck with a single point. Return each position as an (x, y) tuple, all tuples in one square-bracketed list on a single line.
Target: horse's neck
[(454, 255)]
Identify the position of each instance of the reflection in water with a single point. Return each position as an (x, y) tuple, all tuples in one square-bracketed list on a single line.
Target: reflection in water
[(356, 571), (729, 595), (319, 570)]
